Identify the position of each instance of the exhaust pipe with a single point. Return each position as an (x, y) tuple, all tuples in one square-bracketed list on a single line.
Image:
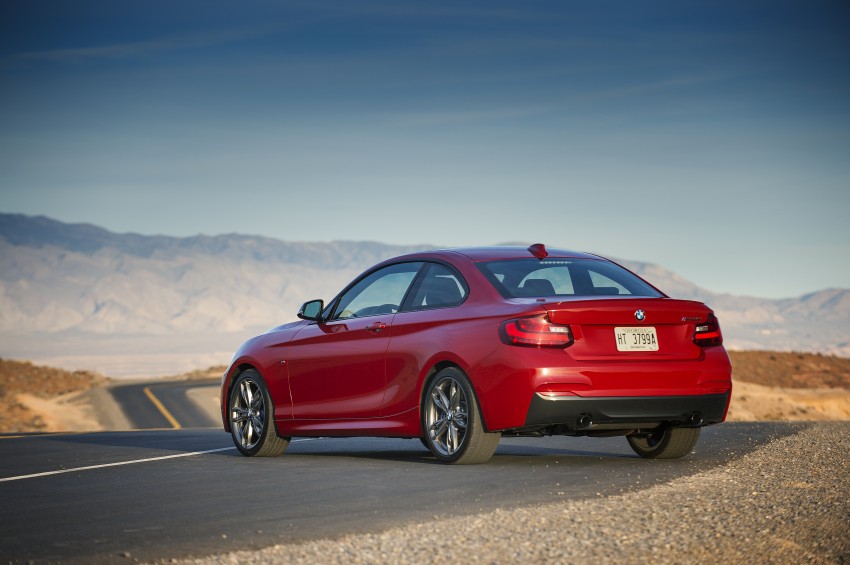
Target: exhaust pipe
[(584, 421), (695, 419)]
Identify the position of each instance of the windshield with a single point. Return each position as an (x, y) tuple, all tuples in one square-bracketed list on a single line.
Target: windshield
[(533, 278)]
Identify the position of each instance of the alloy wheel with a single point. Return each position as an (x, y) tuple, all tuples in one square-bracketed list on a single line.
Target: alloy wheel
[(248, 413), (447, 416)]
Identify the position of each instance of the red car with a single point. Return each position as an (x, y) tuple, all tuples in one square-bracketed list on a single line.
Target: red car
[(459, 347)]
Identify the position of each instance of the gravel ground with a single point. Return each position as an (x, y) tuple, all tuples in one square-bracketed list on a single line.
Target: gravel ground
[(785, 503)]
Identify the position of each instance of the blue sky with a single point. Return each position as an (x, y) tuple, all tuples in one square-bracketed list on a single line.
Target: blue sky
[(710, 137)]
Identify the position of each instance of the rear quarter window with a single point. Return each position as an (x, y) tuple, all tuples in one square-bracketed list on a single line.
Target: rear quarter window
[(437, 287)]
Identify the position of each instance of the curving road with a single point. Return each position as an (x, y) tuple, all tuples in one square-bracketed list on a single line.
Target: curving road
[(168, 404), (158, 494)]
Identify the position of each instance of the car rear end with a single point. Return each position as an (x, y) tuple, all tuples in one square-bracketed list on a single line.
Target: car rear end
[(598, 351), (622, 372)]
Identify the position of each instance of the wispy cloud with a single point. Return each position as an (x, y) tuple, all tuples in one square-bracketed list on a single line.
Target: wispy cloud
[(556, 102), (138, 49), (438, 11), (666, 84), (436, 118)]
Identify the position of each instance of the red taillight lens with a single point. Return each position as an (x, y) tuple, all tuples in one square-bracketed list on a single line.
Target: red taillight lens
[(535, 332), (708, 333)]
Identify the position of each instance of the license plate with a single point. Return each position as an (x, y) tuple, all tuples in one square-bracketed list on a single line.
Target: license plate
[(636, 339)]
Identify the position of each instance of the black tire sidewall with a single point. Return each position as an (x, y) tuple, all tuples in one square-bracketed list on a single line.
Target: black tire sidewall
[(683, 441), (655, 450)]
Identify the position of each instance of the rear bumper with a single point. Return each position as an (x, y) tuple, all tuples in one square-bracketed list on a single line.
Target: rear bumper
[(603, 413)]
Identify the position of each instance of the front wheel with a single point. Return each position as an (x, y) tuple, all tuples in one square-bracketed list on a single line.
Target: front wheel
[(664, 442), (251, 414), (454, 429)]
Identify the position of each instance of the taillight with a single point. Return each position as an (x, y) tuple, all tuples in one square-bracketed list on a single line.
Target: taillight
[(535, 332), (708, 333)]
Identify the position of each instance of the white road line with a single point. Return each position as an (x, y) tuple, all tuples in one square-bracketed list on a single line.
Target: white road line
[(119, 463), (90, 467)]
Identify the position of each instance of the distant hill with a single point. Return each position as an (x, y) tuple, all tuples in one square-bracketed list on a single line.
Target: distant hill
[(68, 288), (816, 322), (39, 232), (57, 277)]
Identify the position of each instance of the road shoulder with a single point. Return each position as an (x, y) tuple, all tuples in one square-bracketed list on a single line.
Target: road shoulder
[(784, 503)]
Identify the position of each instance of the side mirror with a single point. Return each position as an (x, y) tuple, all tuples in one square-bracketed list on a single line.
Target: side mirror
[(311, 310)]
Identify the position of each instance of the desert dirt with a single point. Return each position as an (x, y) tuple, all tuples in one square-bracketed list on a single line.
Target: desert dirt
[(770, 385), (767, 386), (45, 399)]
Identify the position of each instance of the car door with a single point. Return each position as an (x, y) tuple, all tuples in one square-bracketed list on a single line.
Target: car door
[(429, 323), (337, 368)]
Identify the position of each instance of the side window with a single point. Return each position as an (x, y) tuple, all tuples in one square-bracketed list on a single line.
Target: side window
[(439, 287), (378, 293)]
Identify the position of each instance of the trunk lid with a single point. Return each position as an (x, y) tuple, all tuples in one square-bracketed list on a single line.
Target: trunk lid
[(645, 328)]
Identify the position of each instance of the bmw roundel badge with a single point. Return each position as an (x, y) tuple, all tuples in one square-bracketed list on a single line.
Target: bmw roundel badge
[(640, 315)]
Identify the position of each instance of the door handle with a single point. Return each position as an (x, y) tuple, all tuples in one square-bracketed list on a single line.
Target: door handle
[(376, 327)]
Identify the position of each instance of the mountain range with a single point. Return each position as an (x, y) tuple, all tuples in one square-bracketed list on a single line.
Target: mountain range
[(70, 292)]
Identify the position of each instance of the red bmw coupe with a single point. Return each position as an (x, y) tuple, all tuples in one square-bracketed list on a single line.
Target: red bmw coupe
[(458, 347)]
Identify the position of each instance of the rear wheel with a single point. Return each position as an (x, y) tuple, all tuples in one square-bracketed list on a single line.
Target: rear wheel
[(454, 430), (251, 414), (665, 442)]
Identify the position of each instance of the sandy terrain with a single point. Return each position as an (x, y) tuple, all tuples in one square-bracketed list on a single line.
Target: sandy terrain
[(767, 386), (68, 412), (771, 385), (45, 399), (752, 402)]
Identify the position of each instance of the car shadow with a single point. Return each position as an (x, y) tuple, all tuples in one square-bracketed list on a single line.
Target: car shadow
[(729, 440)]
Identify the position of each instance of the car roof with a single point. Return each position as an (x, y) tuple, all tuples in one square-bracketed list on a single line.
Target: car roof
[(477, 254)]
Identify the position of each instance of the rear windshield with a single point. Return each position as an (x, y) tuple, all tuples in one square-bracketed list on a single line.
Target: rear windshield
[(524, 278)]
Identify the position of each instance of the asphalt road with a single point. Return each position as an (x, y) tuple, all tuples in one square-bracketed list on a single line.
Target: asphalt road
[(115, 496), (165, 404)]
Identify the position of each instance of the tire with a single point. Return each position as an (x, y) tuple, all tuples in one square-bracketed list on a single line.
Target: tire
[(451, 421), (665, 442), (251, 415)]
